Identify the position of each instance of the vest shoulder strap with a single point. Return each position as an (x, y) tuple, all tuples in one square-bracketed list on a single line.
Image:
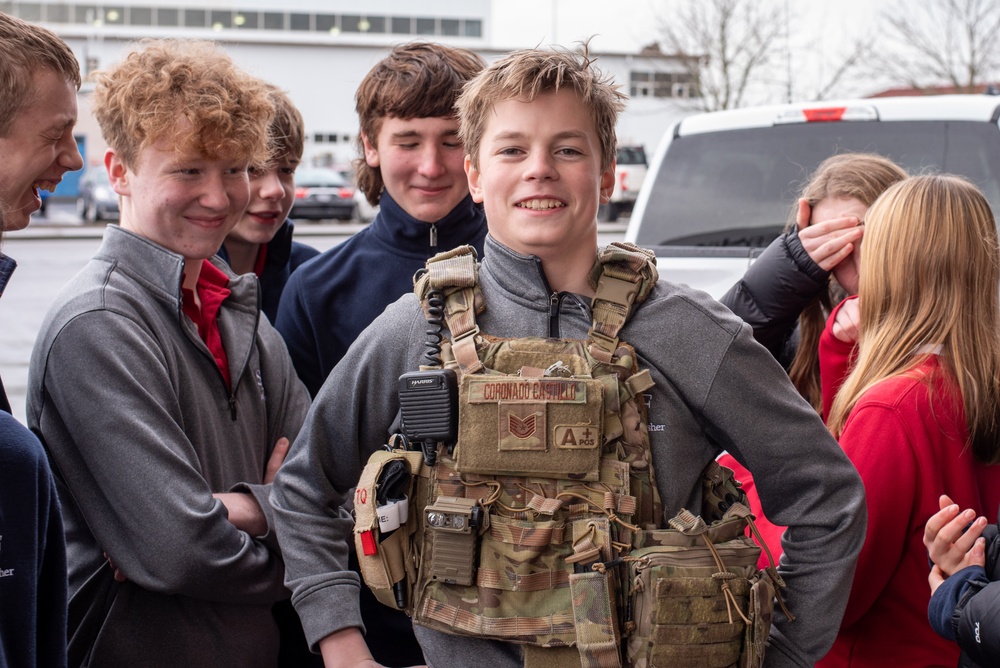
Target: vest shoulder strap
[(622, 277)]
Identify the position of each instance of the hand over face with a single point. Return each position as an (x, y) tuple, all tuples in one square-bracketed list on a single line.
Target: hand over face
[(831, 234)]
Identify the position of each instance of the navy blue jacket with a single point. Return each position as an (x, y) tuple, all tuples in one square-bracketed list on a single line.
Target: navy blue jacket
[(32, 547), (332, 298), (283, 257), (966, 608)]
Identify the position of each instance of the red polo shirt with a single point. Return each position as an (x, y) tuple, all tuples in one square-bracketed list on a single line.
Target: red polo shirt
[(213, 288)]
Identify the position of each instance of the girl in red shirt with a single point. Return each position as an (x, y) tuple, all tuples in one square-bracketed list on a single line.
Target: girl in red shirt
[(919, 412)]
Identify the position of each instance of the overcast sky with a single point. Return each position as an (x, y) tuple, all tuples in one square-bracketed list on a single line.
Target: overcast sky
[(817, 27)]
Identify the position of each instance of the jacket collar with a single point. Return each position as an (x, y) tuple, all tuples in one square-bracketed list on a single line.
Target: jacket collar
[(519, 275), (393, 226), (160, 270)]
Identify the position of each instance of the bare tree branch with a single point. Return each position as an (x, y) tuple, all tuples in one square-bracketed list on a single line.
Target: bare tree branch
[(861, 53), (733, 49), (943, 42), (727, 44)]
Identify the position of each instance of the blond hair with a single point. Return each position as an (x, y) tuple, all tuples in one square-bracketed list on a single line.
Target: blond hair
[(860, 176), (185, 92), (24, 49), (930, 273), (416, 80), (526, 74)]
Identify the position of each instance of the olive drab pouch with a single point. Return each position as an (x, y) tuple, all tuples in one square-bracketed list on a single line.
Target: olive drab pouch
[(698, 598)]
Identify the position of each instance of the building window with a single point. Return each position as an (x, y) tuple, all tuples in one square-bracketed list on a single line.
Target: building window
[(401, 25), (57, 13), (167, 17), (425, 26), (114, 15), (194, 18), (247, 19), (662, 85), (220, 20), (30, 11), (60, 11), (140, 16), (274, 21), (327, 23), (349, 23)]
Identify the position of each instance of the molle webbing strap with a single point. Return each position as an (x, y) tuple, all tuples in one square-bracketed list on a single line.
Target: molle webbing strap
[(594, 615), (470, 623), (622, 277), (550, 657), (456, 274)]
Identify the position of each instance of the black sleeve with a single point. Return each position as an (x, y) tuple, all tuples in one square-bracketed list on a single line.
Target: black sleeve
[(976, 623), (775, 289), (976, 620)]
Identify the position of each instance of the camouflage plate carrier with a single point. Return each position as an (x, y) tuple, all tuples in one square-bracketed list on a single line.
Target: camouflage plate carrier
[(542, 525)]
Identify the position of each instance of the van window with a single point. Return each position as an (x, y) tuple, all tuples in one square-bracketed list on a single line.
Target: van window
[(631, 155), (737, 188)]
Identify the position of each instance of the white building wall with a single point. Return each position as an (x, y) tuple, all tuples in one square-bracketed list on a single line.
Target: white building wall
[(321, 71)]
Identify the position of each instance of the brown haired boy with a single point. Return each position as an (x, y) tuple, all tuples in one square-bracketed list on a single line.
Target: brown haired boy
[(539, 129), (261, 243), (39, 77), (411, 165), (162, 397)]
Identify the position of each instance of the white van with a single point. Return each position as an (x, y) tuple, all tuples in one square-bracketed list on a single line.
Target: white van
[(721, 185)]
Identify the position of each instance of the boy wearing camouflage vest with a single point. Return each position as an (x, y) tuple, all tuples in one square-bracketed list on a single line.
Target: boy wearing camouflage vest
[(539, 129)]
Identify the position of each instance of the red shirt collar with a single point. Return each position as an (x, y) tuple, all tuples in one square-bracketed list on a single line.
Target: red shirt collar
[(213, 289)]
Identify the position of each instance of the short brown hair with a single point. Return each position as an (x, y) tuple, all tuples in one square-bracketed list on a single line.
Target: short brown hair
[(287, 128), (24, 49), (416, 80), (524, 75), (144, 98)]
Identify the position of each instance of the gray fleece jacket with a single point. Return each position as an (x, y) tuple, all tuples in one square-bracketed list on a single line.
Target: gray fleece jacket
[(142, 430), (716, 389)]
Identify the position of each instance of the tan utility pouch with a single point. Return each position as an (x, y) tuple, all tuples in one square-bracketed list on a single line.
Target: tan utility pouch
[(697, 596), (387, 561)]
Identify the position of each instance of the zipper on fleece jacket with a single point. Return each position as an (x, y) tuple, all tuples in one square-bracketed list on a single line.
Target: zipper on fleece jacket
[(555, 302), (205, 352)]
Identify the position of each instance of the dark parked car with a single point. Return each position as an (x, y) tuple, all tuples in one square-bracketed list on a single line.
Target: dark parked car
[(322, 193), (95, 200)]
